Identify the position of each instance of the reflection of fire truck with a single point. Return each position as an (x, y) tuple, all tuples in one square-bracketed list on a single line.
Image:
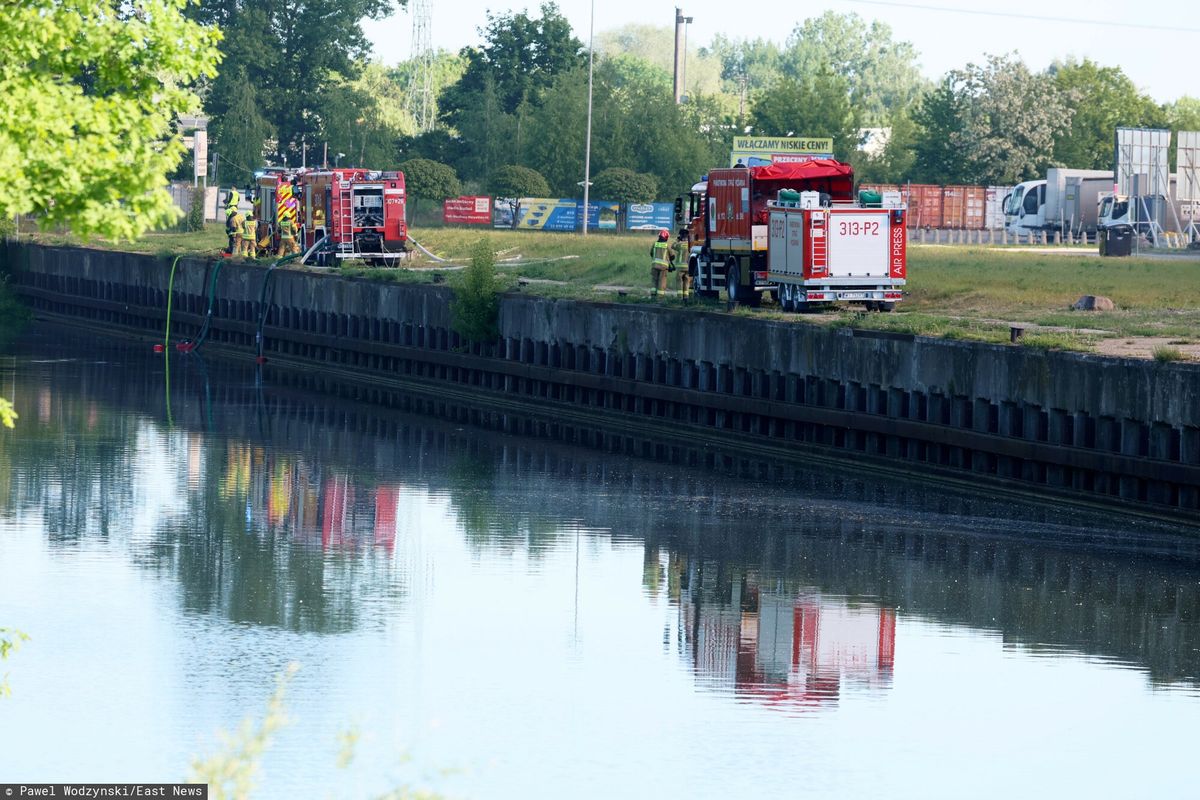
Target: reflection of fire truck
[(348, 213), (795, 230), (790, 651)]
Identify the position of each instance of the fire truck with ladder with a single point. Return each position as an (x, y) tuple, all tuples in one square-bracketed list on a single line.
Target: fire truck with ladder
[(794, 230), (347, 213)]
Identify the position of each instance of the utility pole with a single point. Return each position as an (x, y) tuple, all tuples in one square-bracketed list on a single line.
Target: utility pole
[(587, 156), (678, 47)]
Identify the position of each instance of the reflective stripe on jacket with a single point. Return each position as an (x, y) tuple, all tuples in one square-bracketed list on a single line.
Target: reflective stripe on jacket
[(659, 253), (249, 228), (287, 229)]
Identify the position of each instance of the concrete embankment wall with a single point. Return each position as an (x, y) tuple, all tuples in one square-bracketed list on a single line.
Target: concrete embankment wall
[(1087, 427)]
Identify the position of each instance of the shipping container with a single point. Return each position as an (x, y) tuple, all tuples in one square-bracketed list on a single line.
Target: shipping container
[(994, 197), (925, 205), (974, 207), (953, 206)]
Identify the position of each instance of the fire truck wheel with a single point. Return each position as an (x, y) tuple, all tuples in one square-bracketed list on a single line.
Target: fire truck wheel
[(733, 281), (886, 308)]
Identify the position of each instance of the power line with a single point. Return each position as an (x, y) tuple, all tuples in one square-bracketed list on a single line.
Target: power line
[(1015, 15)]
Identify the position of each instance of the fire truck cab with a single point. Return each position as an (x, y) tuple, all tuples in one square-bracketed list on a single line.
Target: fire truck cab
[(795, 230)]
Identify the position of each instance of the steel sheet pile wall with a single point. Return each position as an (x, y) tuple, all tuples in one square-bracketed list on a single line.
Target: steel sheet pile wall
[(1121, 431)]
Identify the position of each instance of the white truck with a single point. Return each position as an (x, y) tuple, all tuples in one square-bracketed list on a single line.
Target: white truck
[(1065, 201), (1171, 215)]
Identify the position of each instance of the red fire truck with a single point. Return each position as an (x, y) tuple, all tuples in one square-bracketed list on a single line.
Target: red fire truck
[(795, 230), (351, 213)]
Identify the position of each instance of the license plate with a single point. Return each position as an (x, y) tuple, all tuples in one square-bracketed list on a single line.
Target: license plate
[(853, 295)]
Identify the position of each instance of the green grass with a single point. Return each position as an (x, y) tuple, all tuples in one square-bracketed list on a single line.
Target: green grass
[(1167, 354), (959, 292)]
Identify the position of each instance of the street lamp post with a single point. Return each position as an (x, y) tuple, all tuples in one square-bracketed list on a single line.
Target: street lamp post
[(587, 157)]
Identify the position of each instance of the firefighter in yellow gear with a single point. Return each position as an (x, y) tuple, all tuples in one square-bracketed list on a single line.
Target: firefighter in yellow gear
[(249, 237), (287, 238), (662, 254), (232, 229), (685, 276), (233, 226)]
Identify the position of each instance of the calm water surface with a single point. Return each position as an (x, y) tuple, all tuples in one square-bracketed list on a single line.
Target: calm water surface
[(502, 617)]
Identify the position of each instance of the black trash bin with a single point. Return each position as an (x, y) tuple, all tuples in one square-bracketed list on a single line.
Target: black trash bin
[(1118, 241)]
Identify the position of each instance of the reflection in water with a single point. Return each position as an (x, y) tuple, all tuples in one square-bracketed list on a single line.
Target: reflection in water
[(439, 570)]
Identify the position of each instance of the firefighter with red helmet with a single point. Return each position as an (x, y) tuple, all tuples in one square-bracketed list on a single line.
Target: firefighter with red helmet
[(662, 258)]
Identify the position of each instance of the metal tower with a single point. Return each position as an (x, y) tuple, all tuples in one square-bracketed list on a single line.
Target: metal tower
[(420, 84)]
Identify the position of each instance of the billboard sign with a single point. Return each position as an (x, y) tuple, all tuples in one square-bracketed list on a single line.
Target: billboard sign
[(562, 214), (1187, 187), (200, 153), (467, 211), (1141, 161), (757, 151), (649, 216)]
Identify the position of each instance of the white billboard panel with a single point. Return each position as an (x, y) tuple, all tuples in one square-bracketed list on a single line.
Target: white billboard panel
[(1187, 187), (1142, 166)]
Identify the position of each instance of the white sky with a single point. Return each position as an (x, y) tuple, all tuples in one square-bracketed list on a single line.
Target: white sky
[(1156, 60)]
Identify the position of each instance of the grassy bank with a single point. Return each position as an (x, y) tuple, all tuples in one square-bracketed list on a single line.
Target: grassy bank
[(955, 292)]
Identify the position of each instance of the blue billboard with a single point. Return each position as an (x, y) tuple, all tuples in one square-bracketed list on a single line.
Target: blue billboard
[(649, 216), (555, 214)]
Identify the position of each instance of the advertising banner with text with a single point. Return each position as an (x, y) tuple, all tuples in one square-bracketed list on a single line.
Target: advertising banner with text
[(562, 214), (467, 211), (758, 151), (649, 216)]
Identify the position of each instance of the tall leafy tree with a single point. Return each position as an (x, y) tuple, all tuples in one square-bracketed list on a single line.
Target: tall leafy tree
[(91, 94), (817, 106), (240, 136), (293, 52), (513, 182), (1103, 99), (882, 74), (520, 56), (1011, 120), (938, 117)]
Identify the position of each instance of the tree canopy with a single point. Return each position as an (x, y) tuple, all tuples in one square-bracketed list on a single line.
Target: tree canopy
[(91, 94), (430, 180), (1102, 99)]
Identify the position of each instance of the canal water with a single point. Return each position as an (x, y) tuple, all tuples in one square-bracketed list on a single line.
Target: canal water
[(496, 616)]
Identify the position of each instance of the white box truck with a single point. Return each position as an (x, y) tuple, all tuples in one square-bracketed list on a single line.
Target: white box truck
[(1065, 201)]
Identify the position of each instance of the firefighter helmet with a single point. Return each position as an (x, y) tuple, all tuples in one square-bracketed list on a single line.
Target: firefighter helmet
[(663, 235)]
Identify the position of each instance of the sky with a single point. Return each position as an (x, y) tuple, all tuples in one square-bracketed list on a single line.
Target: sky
[(1155, 59)]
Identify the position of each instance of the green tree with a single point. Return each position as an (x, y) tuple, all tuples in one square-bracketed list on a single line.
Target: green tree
[(1011, 119), (617, 184), (293, 52), (1183, 114), (91, 94), (430, 181), (895, 164), (475, 308), (939, 121), (521, 55), (655, 45), (882, 74), (513, 182), (1103, 99), (240, 136), (818, 106)]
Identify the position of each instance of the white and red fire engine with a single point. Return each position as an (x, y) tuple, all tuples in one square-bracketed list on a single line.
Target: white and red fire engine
[(348, 213), (795, 230)]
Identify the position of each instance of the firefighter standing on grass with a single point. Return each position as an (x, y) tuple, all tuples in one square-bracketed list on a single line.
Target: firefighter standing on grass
[(287, 238), (662, 254), (249, 236), (682, 249), (232, 221)]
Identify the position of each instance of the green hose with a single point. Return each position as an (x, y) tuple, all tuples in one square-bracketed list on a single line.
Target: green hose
[(170, 295)]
